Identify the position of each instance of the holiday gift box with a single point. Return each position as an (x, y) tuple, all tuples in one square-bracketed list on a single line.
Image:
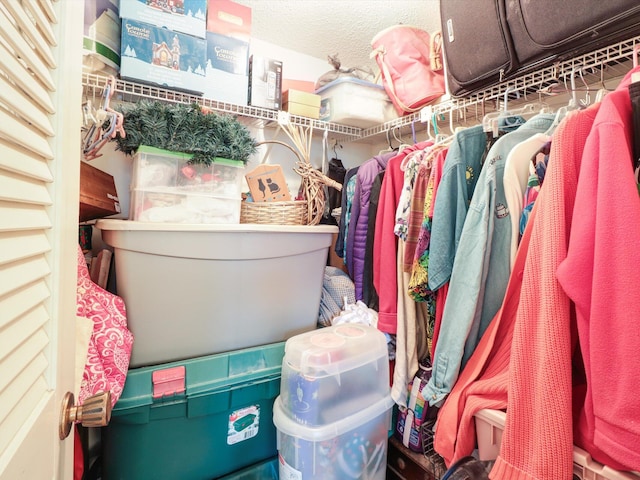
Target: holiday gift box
[(227, 77), (155, 55), (167, 187), (184, 16), (334, 372), (301, 103), (199, 418), (265, 82), (230, 19), (355, 446)]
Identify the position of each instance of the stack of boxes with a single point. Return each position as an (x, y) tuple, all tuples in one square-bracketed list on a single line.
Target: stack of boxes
[(334, 409)]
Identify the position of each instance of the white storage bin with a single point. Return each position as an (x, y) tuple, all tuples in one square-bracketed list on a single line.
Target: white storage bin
[(330, 373), (353, 447), (194, 290), (166, 187), (489, 428), (354, 102)]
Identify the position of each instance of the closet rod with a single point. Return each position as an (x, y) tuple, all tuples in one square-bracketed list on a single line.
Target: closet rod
[(612, 58)]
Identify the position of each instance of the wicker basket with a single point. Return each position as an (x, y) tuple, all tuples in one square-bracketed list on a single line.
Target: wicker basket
[(294, 212)]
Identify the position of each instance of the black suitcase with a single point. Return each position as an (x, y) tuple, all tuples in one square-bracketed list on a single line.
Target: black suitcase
[(486, 41)]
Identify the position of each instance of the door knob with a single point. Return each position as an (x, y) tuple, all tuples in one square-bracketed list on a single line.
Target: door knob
[(94, 412)]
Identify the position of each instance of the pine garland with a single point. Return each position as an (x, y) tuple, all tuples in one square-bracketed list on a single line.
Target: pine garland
[(184, 128)]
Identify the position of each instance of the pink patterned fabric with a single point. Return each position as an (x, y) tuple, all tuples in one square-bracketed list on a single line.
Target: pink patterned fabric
[(111, 342)]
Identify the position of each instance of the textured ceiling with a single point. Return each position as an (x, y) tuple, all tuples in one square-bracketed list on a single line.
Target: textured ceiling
[(325, 27)]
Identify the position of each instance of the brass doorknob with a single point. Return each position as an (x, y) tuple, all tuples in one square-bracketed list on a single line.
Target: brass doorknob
[(94, 412)]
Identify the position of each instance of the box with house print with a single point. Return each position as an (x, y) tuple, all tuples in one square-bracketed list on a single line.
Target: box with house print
[(159, 56), (184, 16)]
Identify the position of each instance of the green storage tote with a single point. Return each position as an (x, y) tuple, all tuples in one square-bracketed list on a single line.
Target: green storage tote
[(201, 418)]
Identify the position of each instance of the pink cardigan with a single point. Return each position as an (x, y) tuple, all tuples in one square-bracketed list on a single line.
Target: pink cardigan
[(601, 274)]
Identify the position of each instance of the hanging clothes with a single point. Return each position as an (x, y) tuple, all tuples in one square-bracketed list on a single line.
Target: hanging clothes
[(536, 312), (369, 294), (516, 176), (358, 222), (348, 187), (481, 268), (459, 177)]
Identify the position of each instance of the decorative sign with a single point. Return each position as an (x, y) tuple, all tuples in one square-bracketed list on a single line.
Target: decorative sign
[(267, 184)]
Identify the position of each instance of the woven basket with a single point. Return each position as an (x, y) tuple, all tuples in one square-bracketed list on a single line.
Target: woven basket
[(294, 212)]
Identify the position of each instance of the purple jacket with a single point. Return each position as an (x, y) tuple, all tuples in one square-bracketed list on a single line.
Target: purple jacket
[(357, 229)]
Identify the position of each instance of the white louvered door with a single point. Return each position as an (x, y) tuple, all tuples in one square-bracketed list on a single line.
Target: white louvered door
[(40, 115)]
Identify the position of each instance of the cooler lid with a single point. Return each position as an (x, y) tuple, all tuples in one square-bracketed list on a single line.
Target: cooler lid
[(178, 380), (332, 350), (345, 80)]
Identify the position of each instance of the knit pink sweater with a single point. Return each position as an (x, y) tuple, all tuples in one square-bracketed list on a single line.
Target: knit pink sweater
[(601, 275)]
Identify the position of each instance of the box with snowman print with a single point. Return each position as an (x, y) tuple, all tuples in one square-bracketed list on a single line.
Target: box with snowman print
[(332, 373), (352, 447), (166, 187)]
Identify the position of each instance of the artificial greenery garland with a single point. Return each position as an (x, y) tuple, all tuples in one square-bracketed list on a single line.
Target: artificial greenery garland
[(184, 128)]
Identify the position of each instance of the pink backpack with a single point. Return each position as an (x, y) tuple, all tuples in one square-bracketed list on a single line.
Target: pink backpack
[(410, 61)]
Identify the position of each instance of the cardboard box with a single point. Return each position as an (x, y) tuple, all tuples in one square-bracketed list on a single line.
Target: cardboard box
[(265, 82), (229, 18), (227, 78), (98, 196), (301, 103), (101, 40), (161, 57), (184, 16)]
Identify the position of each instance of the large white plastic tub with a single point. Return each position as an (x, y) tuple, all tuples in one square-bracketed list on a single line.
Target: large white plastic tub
[(193, 290)]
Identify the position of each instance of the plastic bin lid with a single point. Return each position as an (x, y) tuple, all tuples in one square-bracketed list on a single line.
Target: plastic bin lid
[(331, 350), (146, 386), (285, 424), (351, 80)]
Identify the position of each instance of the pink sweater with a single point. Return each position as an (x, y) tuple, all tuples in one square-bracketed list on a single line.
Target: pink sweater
[(601, 274)]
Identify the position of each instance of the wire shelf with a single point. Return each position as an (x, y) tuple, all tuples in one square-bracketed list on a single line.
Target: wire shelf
[(127, 91), (594, 68)]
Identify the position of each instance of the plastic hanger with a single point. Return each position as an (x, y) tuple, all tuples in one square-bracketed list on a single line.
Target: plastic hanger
[(572, 105), (491, 121)]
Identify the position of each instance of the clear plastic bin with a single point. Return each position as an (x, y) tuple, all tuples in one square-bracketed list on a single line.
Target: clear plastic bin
[(489, 428), (355, 102), (331, 373), (353, 447), (166, 187)]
